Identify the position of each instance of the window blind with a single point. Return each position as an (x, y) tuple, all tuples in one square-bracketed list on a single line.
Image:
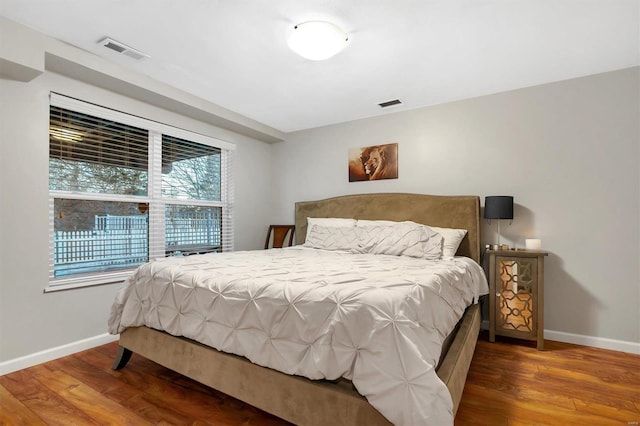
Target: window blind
[(124, 189), (91, 154)]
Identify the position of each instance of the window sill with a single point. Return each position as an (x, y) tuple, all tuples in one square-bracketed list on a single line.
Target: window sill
[(82, 282)]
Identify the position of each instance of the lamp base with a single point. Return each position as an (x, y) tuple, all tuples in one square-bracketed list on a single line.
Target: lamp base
[(499, 247)]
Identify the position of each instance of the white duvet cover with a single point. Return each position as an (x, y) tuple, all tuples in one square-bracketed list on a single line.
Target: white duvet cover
[(377, 320)]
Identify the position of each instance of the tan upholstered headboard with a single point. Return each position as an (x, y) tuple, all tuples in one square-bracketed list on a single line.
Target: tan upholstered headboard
[(461, 212)]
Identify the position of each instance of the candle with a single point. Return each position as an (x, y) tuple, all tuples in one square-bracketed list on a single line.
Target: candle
[(532, 244)]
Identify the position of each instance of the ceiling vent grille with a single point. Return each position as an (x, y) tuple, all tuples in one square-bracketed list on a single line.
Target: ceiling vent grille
[(116, 46), (388, 104)]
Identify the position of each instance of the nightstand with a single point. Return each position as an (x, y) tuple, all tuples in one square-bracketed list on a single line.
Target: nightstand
[(516, 294)]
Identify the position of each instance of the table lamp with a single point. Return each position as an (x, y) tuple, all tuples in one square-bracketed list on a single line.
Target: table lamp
[(498, 207)]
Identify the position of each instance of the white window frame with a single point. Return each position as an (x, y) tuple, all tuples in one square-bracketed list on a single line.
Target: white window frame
[(154, 198)]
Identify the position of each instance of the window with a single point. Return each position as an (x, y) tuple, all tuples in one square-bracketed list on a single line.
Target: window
[(123, 190)]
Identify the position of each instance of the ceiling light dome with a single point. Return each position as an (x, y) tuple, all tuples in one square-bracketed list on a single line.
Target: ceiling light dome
[(317, 40)]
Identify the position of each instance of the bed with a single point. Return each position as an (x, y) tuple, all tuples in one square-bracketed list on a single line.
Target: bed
[(311, 400)]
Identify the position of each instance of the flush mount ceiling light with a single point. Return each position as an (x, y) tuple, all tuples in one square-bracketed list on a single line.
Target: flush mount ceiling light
[(317, 40)]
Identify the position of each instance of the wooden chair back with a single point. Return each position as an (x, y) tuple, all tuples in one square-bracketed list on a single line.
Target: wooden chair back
[(279, 234)]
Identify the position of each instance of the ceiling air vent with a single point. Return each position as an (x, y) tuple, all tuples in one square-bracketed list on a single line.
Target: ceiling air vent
[(387, 104), (122, 48)]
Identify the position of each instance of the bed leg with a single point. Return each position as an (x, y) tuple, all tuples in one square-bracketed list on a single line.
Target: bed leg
[(122, 357)]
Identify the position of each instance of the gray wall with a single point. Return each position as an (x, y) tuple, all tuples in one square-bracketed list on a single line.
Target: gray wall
[(30, 320), (567, 152)]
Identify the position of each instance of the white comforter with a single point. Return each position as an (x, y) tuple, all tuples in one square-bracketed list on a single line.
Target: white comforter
[(377, 320)]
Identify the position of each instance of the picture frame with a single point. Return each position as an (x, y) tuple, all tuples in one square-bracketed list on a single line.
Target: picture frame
[(373, 162)]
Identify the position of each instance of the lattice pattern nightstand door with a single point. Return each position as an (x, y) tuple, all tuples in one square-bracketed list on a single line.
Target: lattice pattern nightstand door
[(516, 296)]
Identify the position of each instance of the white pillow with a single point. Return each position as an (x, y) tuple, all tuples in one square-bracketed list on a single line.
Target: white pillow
[(452, 239), (399, 239), (333, 238), (364, 222), (334, 222)]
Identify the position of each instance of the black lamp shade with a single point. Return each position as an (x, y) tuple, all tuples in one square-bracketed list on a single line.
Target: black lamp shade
[(498, 207)]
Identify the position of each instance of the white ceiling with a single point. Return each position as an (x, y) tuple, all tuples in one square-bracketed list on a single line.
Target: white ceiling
[(234, 52)]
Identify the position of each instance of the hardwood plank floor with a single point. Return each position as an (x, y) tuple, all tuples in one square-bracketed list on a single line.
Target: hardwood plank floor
[(509, 383)]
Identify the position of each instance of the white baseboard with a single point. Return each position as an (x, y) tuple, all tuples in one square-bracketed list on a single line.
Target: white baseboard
[(596, 342), (579, 339), (26, 361)]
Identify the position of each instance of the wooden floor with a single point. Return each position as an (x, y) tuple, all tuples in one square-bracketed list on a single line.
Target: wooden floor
[(510, 383)]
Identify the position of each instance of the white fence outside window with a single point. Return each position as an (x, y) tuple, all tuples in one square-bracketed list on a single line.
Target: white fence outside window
[(119, 242)]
